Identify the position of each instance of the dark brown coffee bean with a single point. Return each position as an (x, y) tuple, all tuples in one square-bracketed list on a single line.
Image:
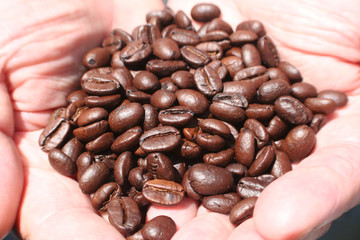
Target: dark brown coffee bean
[(147, 33), (82, 163), (104, 194), (96, 58), (207, 179), (73, 148), (54, 134), (272, 90), (247, 89), (219, 24), (107, 102), (91, 115), (292, 73), (76, 95), (261, 135), (240, 37), (216, 35), (125, 37), (242, 211), (220, 159), (159, 228), (234, 51), (94, 177), (299, 142), (162, 99), (292, 110), (338, 97), (183, 79), (205, 12), (245, 147), (210, 142), (166, 16), (263, 161), (165, 33), (168, 85), (196, 101), (146, 81), (215, 127), (318, 121), (190, 149), (165, 68), (135, 95), (276, 73), (252, 25), (135, 53), (238, 170), (125, 117), (212, 49), (219, 68), (250, 72), (229, 107), (260, 112), (61, 162), (222, 203), (122, 167), (160, 167), (113, 43), (101, 143), (250, 55), (150, 117), (207, 81), (194, 57), (268, 52), (320, 105), (163, 192), (166, 49), (182, 20), (184, 37), (138, 176), (277, 128), (281, 165), (303, 90), (253, 186), (177, 116), (160, 139), (91, 131), (126, 141), (233, 64)]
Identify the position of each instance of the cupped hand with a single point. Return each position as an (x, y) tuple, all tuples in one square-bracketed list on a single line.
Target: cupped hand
[(322, 40)]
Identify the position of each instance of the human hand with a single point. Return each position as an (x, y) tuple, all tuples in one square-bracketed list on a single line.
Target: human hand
[(322, 40)]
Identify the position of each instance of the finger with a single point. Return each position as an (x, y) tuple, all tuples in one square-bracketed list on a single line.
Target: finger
[(181, 213), (245, 231), (320, 189), (210, 226)]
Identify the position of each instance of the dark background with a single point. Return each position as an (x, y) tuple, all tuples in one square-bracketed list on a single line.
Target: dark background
[(347, 227)]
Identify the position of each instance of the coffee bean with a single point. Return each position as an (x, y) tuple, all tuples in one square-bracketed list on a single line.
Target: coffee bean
[(124, 36), (163, 192), (138, 176), (281, 165), (93, 177), (147, 33), (216, 35), (277, 128), (210, 142), (260, 133), (104, 194), (150, 117), (190, 149), (135, 53), (247, 89), (146, 81), (318, 121), (221, 158), (263, 160), (219, 68), (183, 79), (260, 112), (212, 49), (320, 105), (233, 64), (303, 90), (122, 167), (160, 139), (91, 131), (162, 99), (268, 52), (100, 82), (205, 12), (182, 20), (177, 116), (219, 24), (271, 90), (113, 43), (126, 141), (61, 162), (207, 81), (96, 58), (252, 25), (106, 102), (125, 117), (184, 37), (194, 57), (338, 97), (250, 55), (160, 167), (229, 107), (166, 16), (252, 186), (54, 134), (163, 68), (101, 143), (242, 211), (196, 101), (241, 37), (291, 72), (166, 49), (245, 147), (292, 110), (222, 203), (159, 228)]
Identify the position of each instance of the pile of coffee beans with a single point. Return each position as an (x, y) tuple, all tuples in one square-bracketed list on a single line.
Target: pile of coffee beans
[(169, 111)]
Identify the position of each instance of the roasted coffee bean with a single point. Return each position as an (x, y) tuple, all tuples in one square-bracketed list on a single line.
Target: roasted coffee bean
[(183, 79), (101, 143), (162, 99), (207, 81), (303, 90), (163, 68), (92, 131), (113, 43), (166, 16), (106, 102), (234, 51), (184, 37), (104, 194), (253, 186), (216, 35), (238, 170), (219, 68), (166, 49), (139, 198), (257, 75), (135, 53), (124, 215), (182, 20), (150, 117), (215, 127), (205, 12), (219, 24), (125, 37), (165, 33), (320, 105), (160, 139), (122, 167), (146, 81), (100, 82), (190, 149), (299, 142), (263, 161), (76, 95), (276, 73), (163, 192), (247, 89), (338, 97), (281, 165), (91, 115), (177, 116), (126, 141), (168, 85), (94, 177), (268, 52), (190, 192), (196, 101), (125, 117), (212, 49), (159, 228), (54, 134), (242, 211), (74, 110), (260, 112), (229, 107), (250, 55), (82, 163), (147, 33), (252, 25), (260, 133), (318, 121), (96, 58), (135, 95), (271, 90), (160, 167), (277, 128), (73, 148), (245, 147), (292, 110), (221, 158), (233, 64), (138, 176), (61, 162), (194, 57), (222, 203), (240, 37), (291, 72), (207, 179), (210, 142)]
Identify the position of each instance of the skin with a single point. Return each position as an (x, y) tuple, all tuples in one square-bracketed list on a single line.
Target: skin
[(40, 58)]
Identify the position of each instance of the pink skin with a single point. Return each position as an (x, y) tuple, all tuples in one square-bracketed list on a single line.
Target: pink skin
[(42, 44)]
